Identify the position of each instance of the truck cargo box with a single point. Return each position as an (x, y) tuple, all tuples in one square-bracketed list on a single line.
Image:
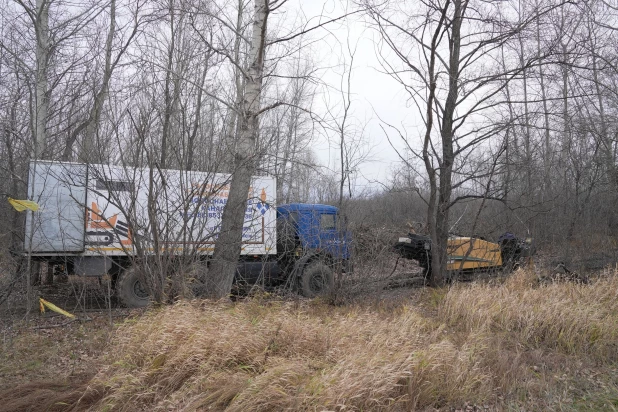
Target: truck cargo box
[(112, 210)]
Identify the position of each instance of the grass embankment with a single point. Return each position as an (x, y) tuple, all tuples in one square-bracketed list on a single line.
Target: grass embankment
[(511, 346)]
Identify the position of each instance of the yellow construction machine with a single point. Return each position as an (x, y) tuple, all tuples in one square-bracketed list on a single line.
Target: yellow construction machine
[(468, 253)]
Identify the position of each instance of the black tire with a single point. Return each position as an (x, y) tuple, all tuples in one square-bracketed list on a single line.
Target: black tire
[(317, 280), (130, 291)]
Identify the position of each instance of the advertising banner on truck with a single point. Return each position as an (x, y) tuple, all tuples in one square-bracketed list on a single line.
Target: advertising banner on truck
[(125, 209)]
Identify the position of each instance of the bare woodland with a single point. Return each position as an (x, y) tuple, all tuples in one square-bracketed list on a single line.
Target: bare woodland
[(516, 102), (508, 122)]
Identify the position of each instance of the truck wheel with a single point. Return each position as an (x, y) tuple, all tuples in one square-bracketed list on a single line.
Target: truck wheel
[(317, 280), (130, 290)]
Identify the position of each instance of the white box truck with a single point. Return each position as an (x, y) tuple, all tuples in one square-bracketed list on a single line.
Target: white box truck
[(97, 219)]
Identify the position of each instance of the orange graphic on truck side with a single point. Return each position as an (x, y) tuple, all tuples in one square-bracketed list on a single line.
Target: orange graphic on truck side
[(102, 230), (97, 221)]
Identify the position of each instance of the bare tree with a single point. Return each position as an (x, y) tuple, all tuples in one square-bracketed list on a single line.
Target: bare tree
[(246, 158), (90, 125), (456, 88), (227, 247)]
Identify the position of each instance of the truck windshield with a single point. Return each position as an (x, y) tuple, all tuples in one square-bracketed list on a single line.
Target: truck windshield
[(327, 222)]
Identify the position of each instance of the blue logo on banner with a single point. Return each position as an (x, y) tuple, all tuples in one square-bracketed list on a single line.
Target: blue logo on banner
[(263, 206)]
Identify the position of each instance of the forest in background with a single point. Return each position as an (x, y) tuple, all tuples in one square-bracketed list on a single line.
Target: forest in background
[(511, 125), (519, 106)]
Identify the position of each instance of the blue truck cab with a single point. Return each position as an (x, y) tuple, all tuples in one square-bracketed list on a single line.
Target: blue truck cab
[(312, 247), (317, 229)]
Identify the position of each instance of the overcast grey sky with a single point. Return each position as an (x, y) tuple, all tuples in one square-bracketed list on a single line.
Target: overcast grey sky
[(375, 95)]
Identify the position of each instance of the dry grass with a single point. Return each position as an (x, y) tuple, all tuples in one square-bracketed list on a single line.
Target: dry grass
[(32, 351), (276, 357), (512, 346), (570, 318)]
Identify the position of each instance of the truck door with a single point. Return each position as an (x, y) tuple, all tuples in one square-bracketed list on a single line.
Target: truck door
[(60, 190), (331, 238)]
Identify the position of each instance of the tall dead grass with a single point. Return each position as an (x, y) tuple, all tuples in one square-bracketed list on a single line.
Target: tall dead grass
[(277, 357), (572, 318), (475, 344)]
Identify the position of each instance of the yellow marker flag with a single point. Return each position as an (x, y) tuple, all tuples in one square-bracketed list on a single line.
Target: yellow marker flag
[(55, 308), (21, 205)]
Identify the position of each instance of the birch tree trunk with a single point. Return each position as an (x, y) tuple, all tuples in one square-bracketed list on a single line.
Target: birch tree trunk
[(92, 124), (42, 59), (229, 147), (228, 244), (172, 84)]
